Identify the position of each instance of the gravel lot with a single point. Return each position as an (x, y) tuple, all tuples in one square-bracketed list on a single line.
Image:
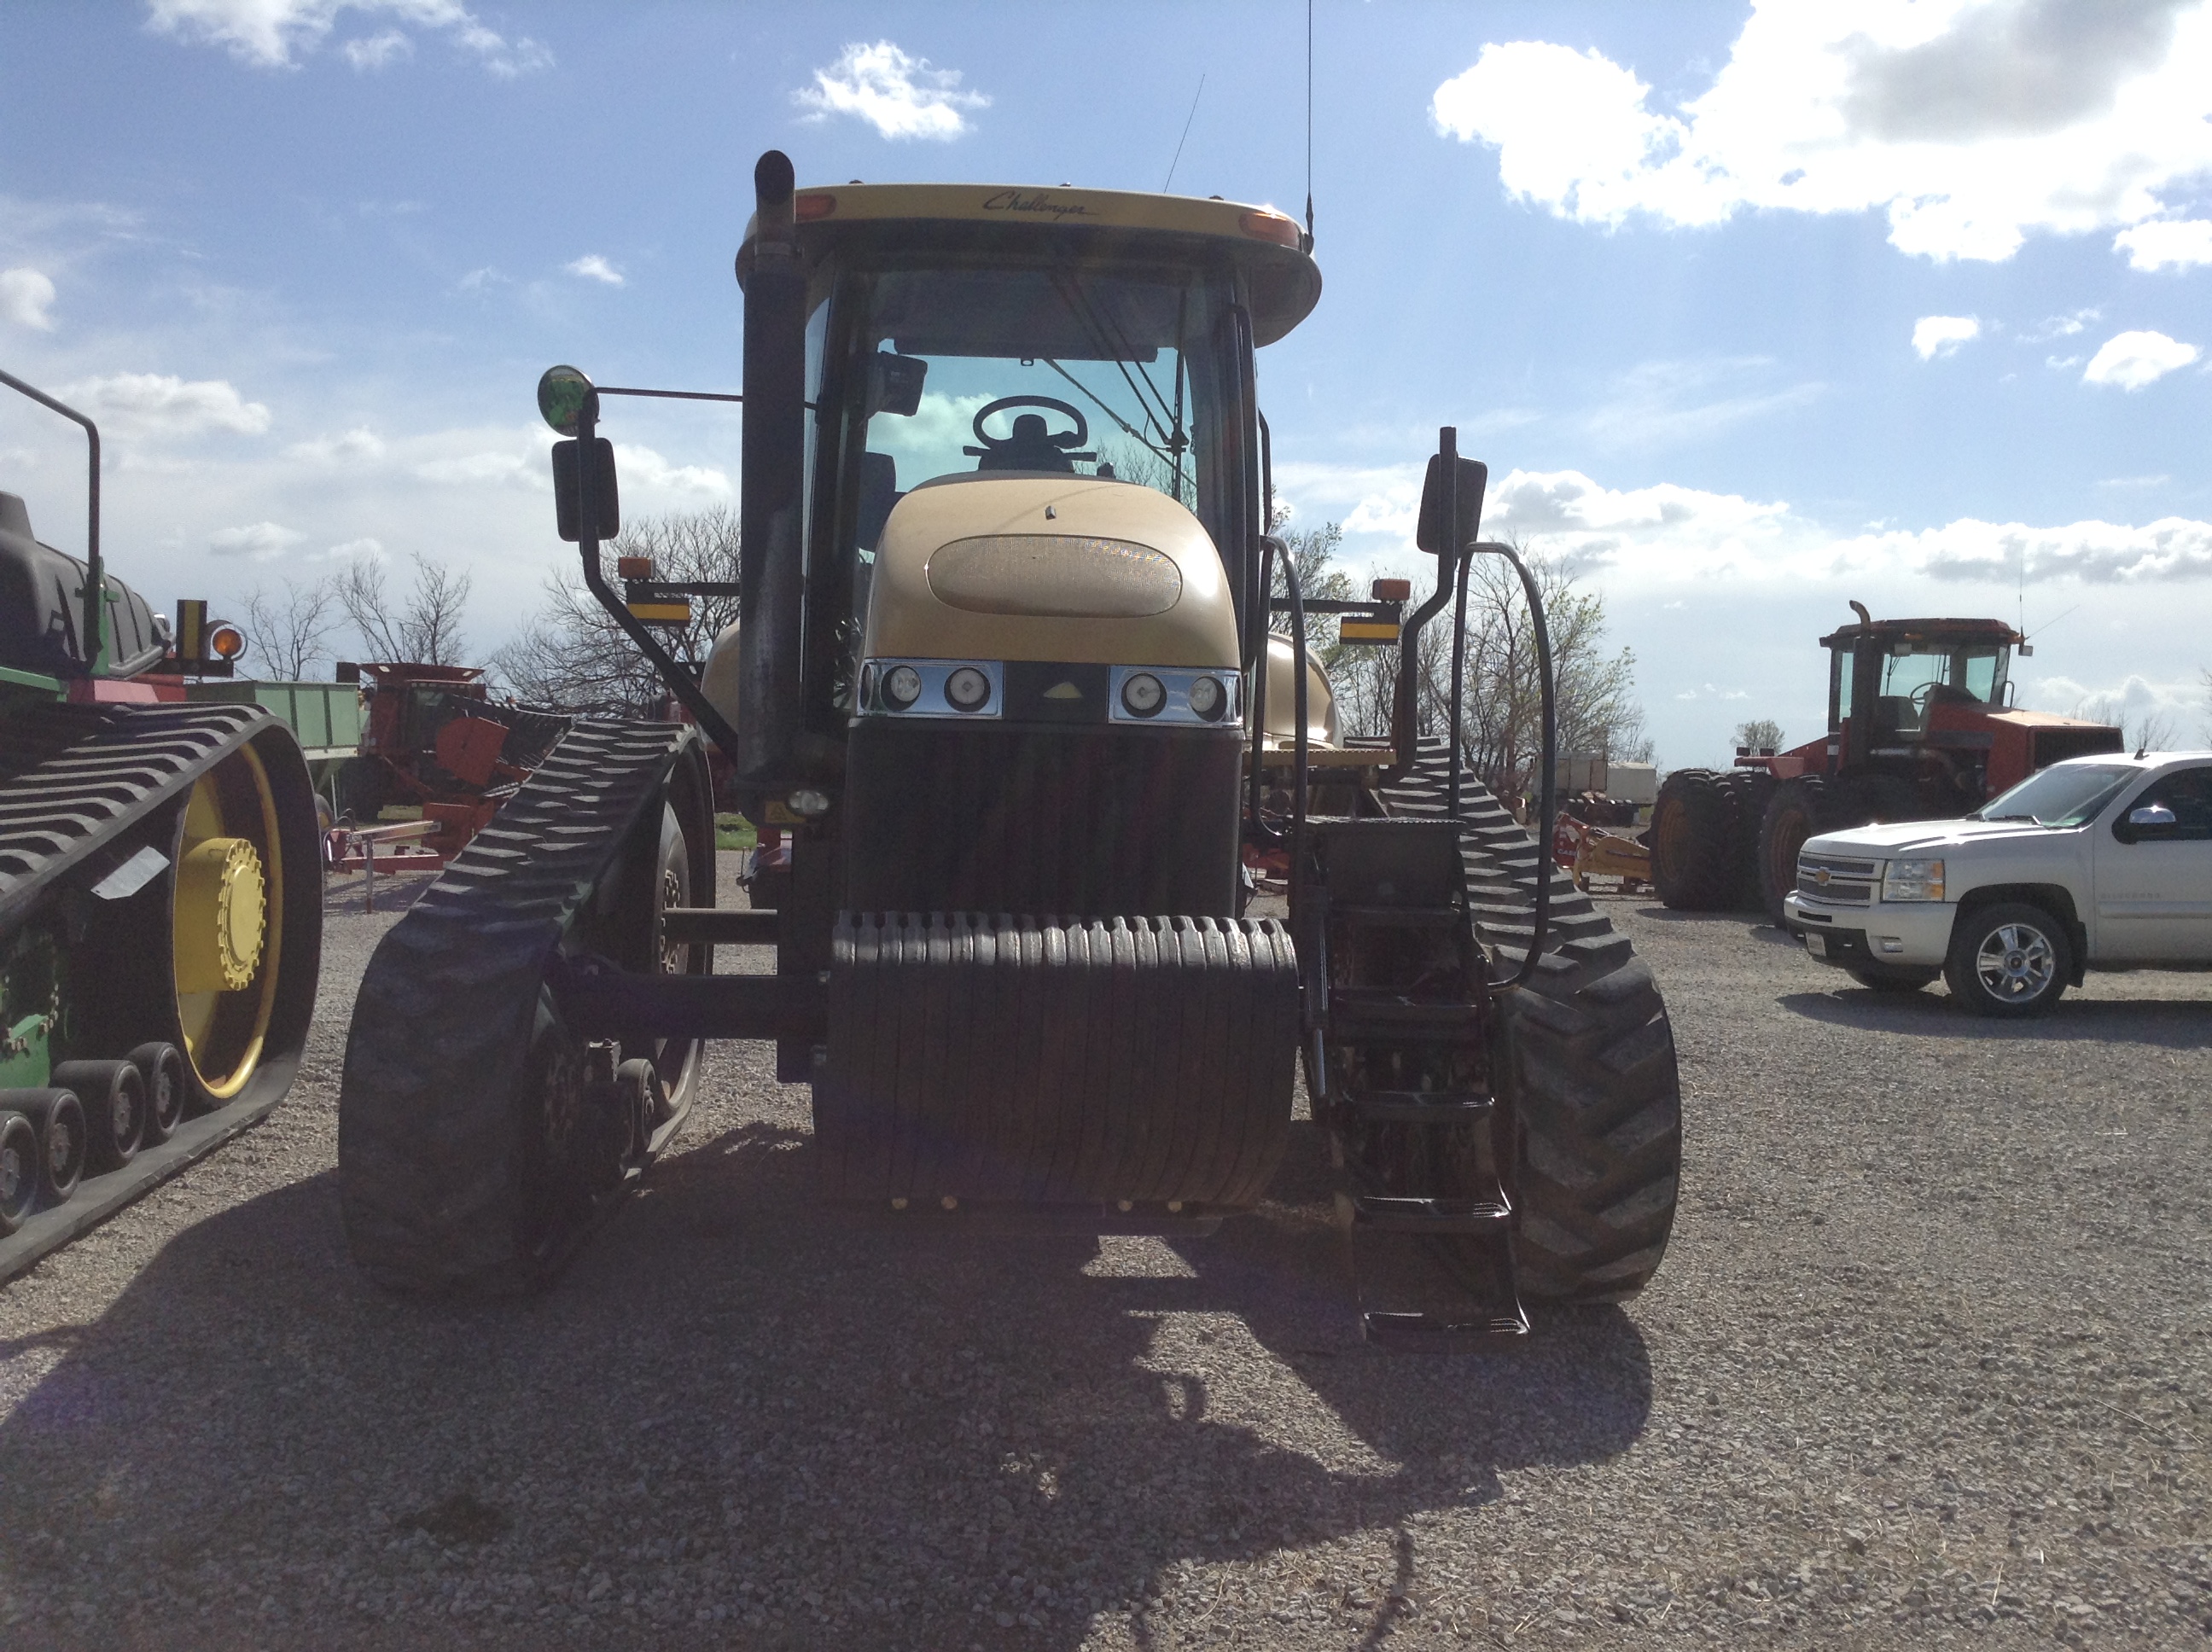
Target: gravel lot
[(1928, 1362)]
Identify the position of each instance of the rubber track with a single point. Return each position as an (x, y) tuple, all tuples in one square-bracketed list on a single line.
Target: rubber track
[(77, 776), (1588, 1050), (428, 1177), (1045, 1061)]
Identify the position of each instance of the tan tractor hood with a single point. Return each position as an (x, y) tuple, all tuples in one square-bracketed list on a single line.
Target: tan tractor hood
[(1025, 566)]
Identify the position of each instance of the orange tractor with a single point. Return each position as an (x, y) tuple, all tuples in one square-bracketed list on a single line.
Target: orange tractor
[(1921, 727)]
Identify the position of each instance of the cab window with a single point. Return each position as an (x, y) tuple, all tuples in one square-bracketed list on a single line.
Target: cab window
[(2186, 795)]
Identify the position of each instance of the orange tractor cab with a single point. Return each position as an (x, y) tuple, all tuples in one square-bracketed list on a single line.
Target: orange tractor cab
[(1921, 727)]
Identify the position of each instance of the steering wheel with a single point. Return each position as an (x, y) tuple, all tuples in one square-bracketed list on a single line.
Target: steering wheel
[(1923, 696), (1066, 440)]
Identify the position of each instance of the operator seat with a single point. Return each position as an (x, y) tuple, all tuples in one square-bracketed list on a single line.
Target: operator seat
[(1029, 448)]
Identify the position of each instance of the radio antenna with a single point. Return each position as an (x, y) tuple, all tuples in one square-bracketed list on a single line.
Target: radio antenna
[(1187, 119), (1309, 235)]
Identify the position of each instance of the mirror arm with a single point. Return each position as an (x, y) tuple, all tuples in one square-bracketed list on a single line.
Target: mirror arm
[(678, 677), (96, 611)]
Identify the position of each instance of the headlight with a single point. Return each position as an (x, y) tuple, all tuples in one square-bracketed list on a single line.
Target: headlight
[(1912, 880), (967, 688), (1142, 695), (902, 686), (1206, 698)]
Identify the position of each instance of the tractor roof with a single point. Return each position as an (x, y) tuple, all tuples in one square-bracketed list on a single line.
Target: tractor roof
[(1086, 224), (1965, 632)]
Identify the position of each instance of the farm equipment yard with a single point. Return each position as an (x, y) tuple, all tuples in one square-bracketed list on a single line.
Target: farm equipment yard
[(1928, 1358)]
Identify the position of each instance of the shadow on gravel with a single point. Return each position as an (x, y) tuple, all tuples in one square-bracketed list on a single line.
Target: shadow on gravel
[(395, 891), (2171, 1024), (837, 1435)]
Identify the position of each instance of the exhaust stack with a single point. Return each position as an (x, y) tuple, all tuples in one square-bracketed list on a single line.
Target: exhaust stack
[(770, 574)]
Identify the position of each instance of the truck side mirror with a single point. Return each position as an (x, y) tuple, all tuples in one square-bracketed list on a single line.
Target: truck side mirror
[(2152, 820), (568, 464), (1432, 533)]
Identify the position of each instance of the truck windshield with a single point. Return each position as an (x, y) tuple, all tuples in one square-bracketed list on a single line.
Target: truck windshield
[(2067, 795), (1093, 372)]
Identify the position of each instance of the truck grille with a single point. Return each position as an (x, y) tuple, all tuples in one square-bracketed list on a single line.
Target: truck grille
[(1837, 882)]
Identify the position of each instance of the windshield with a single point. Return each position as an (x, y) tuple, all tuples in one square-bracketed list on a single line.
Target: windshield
[(1935, 674), (1048, 370), (2067, 795)]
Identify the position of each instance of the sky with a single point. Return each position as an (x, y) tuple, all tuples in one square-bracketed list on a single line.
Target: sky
[(1752, 310)]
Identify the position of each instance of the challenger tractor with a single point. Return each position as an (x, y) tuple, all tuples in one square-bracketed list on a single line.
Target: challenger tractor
[(1921, 727), (1009, 684), (160, 889)]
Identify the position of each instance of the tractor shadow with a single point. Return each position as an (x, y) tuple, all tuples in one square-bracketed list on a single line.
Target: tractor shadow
[(887, 1438), (2169, 1024)]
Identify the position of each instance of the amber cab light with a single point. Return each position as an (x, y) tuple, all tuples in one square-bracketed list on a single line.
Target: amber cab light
[(1391, 590), (633, 567), (226, 641), (1269, 227), (809, 208)]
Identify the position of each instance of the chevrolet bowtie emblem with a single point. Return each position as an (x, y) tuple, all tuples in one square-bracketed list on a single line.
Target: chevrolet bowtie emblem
[(1821, 877), (1063, 691)]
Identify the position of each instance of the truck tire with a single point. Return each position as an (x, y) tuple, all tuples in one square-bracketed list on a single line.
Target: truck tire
[(1695, 842), (2010, 960), (19, 1171), (1796, 810)]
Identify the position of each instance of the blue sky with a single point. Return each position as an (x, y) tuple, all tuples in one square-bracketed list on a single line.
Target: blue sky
[(1751, 310)]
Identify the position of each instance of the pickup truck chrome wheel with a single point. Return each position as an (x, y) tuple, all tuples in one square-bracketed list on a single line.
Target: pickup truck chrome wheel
[(2011, 960)]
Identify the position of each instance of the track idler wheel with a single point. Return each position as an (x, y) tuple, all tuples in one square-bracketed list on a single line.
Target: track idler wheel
[(19, 1171), (58, 1118), (113, 1096), (161, 1069)]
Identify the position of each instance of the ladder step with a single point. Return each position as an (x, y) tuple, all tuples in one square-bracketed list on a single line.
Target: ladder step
[(1426, 1334), (1362, 1015), (1400, 917), (1431, 1216), (1418, 1106)]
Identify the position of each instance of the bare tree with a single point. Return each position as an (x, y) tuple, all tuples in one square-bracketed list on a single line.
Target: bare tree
[(423, 628), (1760, 734), (289, 633), (573, 655), (1501, 704), (2151, 729)]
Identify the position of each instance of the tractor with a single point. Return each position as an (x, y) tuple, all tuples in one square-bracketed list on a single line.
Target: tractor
[(1008, 683), (161, 887), (1921, 727)]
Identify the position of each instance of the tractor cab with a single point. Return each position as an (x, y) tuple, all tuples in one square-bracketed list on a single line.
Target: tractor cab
[(1897, 673)]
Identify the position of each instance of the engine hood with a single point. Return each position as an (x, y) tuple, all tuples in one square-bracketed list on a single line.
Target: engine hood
[(1926, 837)]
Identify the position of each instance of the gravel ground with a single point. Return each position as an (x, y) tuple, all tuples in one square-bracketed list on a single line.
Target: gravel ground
[(1928, 1362)]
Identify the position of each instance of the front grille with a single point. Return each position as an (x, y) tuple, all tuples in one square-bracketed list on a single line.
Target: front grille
[(1847, 883)]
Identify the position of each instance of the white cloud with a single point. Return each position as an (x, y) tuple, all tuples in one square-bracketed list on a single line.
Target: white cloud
[(1942, 335), (1666, 533), (260, 541), (376, 51), (2132, 359), (643, 470), (280, 33), (593, 267), (2167, 244), (369, 547), (900, 96), (153, 403), (1972, 122), (357, 445), (25, 297), (2060, 326), (1658, 403)]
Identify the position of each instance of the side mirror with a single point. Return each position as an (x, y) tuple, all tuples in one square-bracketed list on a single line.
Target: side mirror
[(2152, 815), (569, 461), (895, 384), (1434, 534)]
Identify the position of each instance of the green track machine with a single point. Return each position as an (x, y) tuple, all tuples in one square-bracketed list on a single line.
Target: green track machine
[(160, 891)]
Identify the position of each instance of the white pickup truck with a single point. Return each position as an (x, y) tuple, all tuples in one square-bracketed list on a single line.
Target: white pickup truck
[(2094, 863)]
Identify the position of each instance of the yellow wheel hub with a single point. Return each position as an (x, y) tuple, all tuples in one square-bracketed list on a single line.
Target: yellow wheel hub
[(227, 922), (223, 909)]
